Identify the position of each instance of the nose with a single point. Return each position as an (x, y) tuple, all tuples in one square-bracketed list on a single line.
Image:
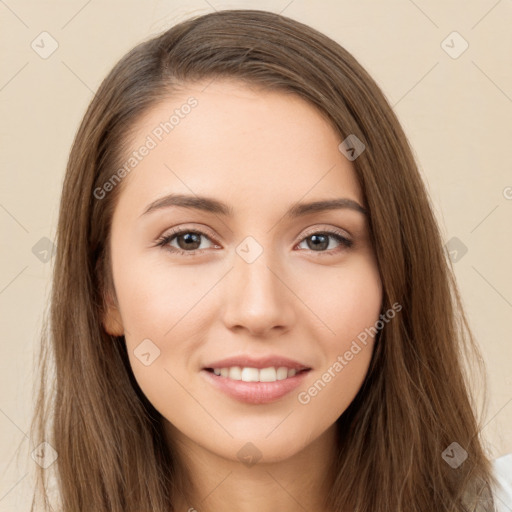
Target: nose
[(258, 298)]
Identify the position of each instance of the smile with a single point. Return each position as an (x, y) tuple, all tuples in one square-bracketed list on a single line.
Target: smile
[(247, 374), (246, 386)]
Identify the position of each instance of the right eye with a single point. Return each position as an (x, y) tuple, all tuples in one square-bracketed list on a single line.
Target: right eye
[(187, 239)]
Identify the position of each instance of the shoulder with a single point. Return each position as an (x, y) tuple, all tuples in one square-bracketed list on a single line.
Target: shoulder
[(502, 467)]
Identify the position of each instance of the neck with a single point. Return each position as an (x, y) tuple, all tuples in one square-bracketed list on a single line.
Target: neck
[(210, 481)]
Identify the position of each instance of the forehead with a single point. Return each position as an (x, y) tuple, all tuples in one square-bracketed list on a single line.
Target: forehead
[(242, 143)]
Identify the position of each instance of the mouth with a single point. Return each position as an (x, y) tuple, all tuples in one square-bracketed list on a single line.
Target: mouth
[(253, 385), (248, 374)]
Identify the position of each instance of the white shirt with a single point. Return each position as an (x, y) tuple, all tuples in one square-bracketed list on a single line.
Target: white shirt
[(503, 494)]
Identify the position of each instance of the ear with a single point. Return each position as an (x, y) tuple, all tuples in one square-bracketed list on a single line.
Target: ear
[(112, 321), (110, 315)]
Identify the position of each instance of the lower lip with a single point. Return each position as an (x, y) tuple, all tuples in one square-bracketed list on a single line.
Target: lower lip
[(255, 392)]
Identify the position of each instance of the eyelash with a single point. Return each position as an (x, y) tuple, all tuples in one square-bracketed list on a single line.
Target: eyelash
[(337, 235)]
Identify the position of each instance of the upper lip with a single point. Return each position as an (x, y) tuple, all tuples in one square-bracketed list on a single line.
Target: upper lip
[(260, 362)]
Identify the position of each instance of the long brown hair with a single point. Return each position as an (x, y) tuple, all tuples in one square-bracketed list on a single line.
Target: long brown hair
[(395, 437)]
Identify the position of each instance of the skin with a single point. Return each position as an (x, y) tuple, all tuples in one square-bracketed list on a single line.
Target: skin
[(261, 152)]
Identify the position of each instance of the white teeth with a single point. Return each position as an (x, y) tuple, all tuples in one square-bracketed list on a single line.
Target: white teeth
[(235, 373), (270, 374), (282, 373), (250, 375)]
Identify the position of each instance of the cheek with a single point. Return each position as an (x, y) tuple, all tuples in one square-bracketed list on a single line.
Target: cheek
[(156, 309), (152, 295), (349, 306), (346, 299), (162, 312)]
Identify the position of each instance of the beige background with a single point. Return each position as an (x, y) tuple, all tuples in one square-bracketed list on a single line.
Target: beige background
[(457, 113)]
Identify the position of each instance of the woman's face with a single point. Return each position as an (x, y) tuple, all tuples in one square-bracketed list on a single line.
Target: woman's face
[(261, 278)]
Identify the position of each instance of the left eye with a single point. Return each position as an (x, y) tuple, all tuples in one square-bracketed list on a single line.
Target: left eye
[(189, 241), (321, 240)]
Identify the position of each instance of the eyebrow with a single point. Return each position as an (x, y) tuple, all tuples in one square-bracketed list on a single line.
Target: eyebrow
[(210, 205)]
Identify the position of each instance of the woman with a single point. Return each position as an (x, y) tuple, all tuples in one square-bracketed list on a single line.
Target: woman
[(309, 342)]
